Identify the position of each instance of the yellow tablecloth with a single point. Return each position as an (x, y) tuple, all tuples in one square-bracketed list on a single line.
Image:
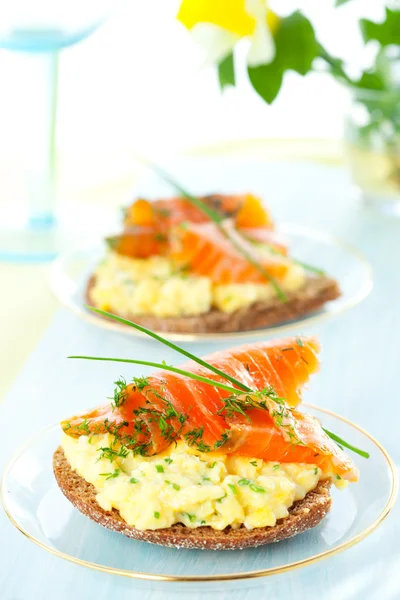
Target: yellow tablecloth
[(27, 307)]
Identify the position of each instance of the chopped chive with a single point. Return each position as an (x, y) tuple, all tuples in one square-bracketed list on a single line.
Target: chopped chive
[(257, 488), (168, 460), (244, 482), (276, 467), (110, 475), (191, 518), (234, 490), (174, 485), (133, 480), (156, 514), (254, 463), (222, 497), (211, 465), (316, 471), (160, 469)]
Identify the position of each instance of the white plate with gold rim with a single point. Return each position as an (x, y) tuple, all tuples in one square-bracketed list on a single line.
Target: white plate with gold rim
[(36, 506), (70, 274)]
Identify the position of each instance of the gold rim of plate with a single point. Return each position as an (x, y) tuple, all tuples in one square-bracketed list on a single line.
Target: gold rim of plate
[(223, 577), (57, 275)]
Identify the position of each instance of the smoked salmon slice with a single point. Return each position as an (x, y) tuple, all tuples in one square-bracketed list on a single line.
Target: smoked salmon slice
[(151, 413), (148, 225), (140, 242), (205, 250), (246, 209), (304, 441), (285, 365)]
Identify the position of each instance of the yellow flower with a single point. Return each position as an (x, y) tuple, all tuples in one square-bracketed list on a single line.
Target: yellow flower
[(217, 25)]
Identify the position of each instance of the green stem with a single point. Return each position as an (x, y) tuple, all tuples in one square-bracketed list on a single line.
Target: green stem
[(335, 66), (166, 342), (294, 261), (308, 267), (146, 363), (339, 440)]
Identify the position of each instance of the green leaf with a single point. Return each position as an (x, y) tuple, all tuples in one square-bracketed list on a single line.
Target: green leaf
[(386, 33), (266, 80), (296, 43), (371, 80), (383, 76), (296, 48), (226, 72), (340, 2)]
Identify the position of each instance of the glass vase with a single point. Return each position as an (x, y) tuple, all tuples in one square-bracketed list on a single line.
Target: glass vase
[(372, 138)]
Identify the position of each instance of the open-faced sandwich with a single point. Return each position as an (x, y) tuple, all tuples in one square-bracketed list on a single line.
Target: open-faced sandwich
[(212, 455), (205, 265)]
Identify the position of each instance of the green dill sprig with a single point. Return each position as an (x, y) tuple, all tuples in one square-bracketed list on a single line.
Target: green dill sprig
[(111, 454), (239, 404), (214, 216), (194, 438), (120, 393)]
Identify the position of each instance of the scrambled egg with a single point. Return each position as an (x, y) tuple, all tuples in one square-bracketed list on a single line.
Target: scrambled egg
[(151, 286), (182, 485), (233, 296)]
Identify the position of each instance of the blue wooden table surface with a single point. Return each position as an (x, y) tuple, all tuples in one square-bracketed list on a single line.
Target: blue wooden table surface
[(358, 379)]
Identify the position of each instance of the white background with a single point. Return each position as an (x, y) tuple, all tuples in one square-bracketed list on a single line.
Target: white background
[(137, 84)]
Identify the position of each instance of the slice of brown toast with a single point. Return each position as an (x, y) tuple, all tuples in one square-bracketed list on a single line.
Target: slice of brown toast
[(303, 515), (310, 297)]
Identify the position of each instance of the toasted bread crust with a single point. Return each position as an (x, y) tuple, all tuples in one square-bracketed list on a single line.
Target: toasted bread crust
[(303, 515), (310, 297)]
